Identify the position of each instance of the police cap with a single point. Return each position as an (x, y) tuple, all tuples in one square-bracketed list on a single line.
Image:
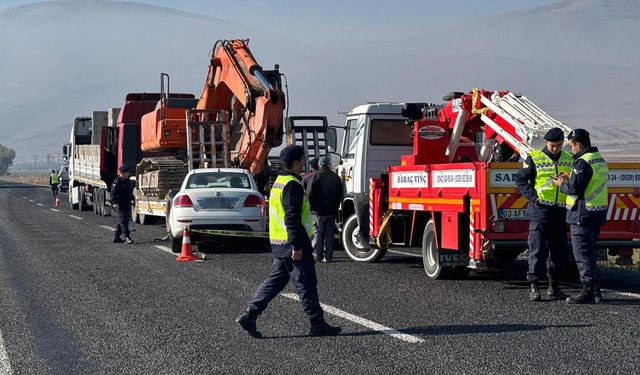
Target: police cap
[(579, 135), (554, 135), (291, 153)]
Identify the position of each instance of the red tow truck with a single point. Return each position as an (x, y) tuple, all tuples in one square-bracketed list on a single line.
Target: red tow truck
[(453, 199)]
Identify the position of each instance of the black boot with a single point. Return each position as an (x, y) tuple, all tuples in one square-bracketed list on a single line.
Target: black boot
[(128, 240), (117, 239), (597, 293), (554, 291), (584, 297), (534, 294), (323, 328), (248, 322)]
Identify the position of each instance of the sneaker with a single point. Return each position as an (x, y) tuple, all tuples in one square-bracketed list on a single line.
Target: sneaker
[(117, 239), (325, 260), (324, 329), (128, 240), (534, 294)]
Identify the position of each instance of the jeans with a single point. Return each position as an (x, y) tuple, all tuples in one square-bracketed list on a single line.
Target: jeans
[(323, 228)]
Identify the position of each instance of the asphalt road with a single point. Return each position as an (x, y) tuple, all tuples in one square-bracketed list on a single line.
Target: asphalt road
[(72, 302)]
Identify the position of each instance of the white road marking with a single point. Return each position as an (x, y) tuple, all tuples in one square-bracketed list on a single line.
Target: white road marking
[(54, 210), (31, 200), (362, 321), (76, 217), (403, 253), (622, 294), (23, 197), (40, 204), (165, 249), (5, 365), (108, 228)]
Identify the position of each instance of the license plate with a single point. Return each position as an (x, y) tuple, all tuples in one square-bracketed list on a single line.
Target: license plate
[(512, 213), (217, 203)]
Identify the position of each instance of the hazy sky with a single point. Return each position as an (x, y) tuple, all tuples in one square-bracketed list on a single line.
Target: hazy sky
[(324, 20)]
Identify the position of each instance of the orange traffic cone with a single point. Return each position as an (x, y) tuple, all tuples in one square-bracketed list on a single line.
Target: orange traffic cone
[(57, 200), (187, 253)]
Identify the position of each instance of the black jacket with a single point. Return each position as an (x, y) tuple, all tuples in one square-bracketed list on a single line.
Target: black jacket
[(292, 198), (325, 193), (525, 181), (122, 193), (577, 184)]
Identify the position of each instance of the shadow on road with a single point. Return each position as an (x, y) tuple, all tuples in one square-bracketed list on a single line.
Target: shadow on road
[(462, 329)]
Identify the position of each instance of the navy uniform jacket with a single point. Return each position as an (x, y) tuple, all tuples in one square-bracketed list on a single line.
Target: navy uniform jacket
[(121, 193), (298, 239), (577, 184), (525, 180)]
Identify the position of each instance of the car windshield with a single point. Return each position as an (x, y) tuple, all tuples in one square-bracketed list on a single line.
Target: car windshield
[(233, 180)]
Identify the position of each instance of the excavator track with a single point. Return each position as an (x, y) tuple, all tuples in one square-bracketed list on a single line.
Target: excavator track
[(156, 176)]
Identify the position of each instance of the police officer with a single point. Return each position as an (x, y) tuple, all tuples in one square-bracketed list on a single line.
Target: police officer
[(587, 198), (546, 213), (54, 181), (290, 231), (121, 200)]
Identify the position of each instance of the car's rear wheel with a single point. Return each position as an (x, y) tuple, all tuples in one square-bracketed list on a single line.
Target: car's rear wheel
[(176, 243)]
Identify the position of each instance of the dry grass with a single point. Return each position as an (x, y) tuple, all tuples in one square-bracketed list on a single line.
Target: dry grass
[(32, 178)]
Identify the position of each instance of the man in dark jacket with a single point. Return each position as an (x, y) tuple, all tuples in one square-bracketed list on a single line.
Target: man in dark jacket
[(587, 201), (290, 230), (546, 213), (325, 195), (121, 200)]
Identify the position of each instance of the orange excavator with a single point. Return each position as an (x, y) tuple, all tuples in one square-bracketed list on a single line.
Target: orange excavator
[(235, 123)]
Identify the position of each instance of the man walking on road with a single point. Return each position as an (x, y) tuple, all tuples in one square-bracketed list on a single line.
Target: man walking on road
[(546, 212), (325, 195), (121, 200), (290, 230), (587, 199), (54, 181)]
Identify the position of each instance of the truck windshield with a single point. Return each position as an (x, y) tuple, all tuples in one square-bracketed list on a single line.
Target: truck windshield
[(390, 133), (219, 180)]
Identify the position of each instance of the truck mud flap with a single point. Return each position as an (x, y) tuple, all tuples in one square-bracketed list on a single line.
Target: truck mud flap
[(453, 258)]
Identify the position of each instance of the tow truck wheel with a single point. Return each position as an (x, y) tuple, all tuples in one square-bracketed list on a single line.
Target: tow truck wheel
[(353, 246), (430, 252)]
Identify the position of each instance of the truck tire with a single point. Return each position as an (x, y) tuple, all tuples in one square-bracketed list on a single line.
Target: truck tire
[(431, 257), (82, 202), (356, 250), (94, 200)]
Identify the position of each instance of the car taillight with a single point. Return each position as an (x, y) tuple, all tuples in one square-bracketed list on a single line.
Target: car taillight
[(183, 201), (253, 201)]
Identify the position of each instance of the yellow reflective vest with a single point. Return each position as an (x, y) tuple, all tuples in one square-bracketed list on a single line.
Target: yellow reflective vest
[(596, 194), (277, 230), (548, 193)]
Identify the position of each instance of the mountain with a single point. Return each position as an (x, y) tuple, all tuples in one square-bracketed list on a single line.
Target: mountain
[(576, 59)]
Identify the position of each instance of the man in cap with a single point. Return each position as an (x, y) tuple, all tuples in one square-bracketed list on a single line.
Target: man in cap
[(290, 231), (587, 200), (325, 195), (546, 213), (121, 200)]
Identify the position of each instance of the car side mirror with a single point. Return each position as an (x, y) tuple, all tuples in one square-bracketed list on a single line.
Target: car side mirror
[(332, 139)]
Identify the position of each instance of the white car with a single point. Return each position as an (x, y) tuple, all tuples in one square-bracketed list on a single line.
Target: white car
[(216, 198)]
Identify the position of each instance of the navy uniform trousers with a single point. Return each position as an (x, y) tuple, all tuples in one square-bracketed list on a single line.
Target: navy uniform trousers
[(124, 215), (548, 250), (583, 241), (302, 274)]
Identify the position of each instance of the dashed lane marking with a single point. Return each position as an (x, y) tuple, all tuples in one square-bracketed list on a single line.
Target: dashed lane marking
[(622, 294), (76, 217), (404, 253), (23, 197), (31, 200), (5, 365), (54, 210), (363, 322), (108, 228), (40, 204), (165, 249)]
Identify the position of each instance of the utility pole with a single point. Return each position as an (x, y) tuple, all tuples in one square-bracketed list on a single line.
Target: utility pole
[(35, 163)]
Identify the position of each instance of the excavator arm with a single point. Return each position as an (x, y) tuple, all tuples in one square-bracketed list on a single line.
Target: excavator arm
[(237, 83)]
